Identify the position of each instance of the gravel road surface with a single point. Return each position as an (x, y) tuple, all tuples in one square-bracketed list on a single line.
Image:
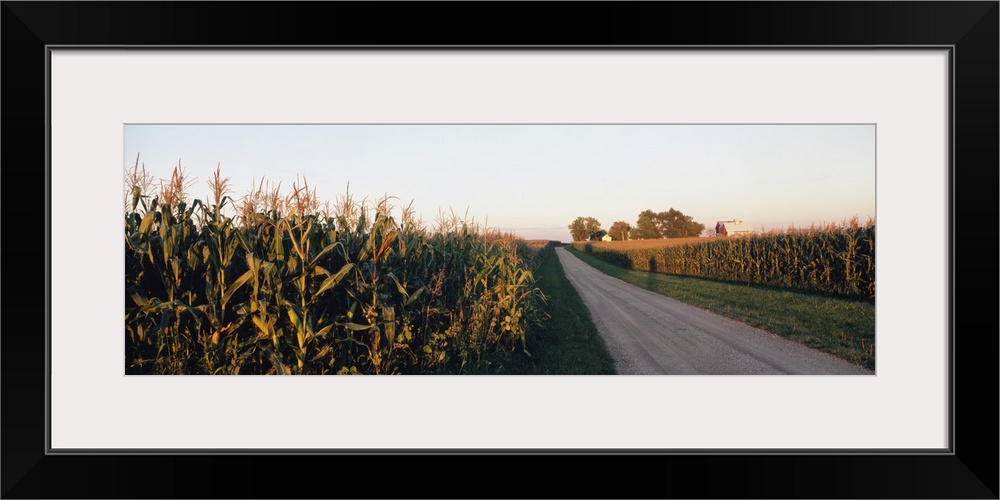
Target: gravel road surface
[(650, 334)]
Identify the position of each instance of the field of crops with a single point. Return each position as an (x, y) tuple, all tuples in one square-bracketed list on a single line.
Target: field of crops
[(285, 287), (646, 244), (836, 259)]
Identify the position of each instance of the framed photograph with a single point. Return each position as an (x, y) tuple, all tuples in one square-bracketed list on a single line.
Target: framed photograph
[(909, 89)]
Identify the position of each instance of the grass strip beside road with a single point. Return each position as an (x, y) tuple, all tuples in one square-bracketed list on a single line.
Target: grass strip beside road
[(844, 328), (568, 343)]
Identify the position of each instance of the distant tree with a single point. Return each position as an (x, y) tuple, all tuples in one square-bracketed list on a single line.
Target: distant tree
[(633, 234), (670, 224), (674, 224), (598, 235), (647, 227), (583, 227), (619, 230)]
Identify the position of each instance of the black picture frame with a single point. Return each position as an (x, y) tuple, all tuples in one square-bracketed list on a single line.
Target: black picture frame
[(969, 470)]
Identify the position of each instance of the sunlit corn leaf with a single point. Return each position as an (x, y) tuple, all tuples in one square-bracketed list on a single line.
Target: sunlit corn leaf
[(147, 222), (333, 280), (356, 327), (235, 287), (415, 295)]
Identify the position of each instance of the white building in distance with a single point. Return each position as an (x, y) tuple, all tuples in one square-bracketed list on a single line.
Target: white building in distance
[(733, 227)]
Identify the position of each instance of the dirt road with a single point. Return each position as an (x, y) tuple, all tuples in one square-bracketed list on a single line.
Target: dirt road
[(649, 334)]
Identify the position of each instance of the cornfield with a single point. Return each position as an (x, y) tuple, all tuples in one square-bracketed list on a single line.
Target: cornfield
[(835, 260), (284, 287)]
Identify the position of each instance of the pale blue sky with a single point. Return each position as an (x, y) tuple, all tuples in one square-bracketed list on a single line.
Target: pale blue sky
[(535, 179)]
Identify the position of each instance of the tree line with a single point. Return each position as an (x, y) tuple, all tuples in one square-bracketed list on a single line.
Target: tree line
[(648, 226)]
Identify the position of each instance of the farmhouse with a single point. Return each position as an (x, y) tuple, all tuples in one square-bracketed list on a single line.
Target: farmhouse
[(733, 227), (606, 237)]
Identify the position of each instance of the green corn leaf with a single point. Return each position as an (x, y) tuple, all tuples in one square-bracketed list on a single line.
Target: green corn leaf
[(259, 323), (389, 317), (230, 250), (136, 240), (325, 251), (356, 327), (242, 242), (277, 247), (323, 331), (295, 242), (386, 241), (236, 286), (147, 222), (282, 369), (414, 296), (322, 352), (333, 280), (138, 297), (399, 287)]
